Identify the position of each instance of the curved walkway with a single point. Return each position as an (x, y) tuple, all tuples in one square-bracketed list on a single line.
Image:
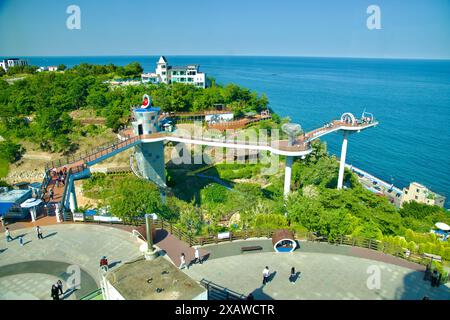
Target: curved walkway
[(63, 246)]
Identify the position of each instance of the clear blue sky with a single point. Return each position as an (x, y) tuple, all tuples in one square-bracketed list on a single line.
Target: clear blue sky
[(410, 29)]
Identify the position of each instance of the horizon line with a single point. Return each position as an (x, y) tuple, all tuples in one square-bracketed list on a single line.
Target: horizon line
[(229, 55)]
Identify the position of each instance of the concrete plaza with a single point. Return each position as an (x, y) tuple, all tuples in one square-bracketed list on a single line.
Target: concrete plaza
[(322, 276), (27, 272)]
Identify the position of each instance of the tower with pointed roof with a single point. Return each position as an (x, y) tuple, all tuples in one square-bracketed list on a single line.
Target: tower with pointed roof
[(161, 69)]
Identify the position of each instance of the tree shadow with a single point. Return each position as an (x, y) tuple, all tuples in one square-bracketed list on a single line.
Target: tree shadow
[(414, 287), (160, 235), (259, 294)]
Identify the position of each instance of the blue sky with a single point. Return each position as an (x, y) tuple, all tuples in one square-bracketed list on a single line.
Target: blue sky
[(410, 29)]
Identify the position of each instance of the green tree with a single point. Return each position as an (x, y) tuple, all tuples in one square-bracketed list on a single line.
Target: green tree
[(10, 151), (132, 198)]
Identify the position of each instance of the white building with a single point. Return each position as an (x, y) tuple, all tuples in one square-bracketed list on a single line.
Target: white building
[(165, 73), (12, 62), (419, 193), (50, 68)]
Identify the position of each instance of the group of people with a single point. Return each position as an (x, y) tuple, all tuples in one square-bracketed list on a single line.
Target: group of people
[(366, 119), (197, 259), (266, 275), (57, 290), (60, 176)]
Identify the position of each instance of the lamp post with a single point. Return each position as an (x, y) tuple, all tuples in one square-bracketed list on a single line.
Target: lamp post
[(151, 253)]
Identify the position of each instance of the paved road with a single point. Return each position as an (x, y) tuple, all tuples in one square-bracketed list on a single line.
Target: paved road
[(322, 276), (64, 245)]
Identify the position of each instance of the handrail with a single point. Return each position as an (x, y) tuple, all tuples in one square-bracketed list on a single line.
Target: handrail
[(227, 293)]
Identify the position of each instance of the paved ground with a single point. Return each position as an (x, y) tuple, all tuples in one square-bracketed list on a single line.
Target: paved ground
[(64, 245), (29, 286), (322, 276), (173, 247)]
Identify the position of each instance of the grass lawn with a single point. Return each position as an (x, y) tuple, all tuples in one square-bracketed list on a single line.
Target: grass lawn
[(4, 168)]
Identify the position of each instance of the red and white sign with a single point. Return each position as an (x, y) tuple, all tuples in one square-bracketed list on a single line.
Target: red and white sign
[(146, 101)]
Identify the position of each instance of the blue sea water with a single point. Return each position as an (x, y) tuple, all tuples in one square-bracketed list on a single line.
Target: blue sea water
[(410, 98)]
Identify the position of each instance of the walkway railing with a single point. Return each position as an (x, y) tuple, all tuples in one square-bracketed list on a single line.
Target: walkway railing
[(217, 292), (93, 154), (367, 243)]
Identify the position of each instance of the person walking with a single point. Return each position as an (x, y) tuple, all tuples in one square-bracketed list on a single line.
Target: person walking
[(104, 263), (39, 232), (197, 256), (21, 241), (59, 286), (8, 235), (292, 276), (51, 194), (54, 293), (182, 261), (266, 274)]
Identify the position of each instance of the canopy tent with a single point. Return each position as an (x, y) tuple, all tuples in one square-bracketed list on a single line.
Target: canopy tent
[(31, 204), (442, 226), (4, 207)]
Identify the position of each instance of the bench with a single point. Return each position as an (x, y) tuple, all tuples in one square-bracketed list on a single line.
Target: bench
[(251, 248)]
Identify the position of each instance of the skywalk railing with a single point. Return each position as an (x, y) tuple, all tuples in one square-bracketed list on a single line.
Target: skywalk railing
[(93, 154)]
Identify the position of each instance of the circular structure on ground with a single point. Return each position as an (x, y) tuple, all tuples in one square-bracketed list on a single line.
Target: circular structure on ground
[(283, 241)]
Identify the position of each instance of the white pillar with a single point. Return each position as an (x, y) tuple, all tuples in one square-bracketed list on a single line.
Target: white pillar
[(72, 202), (33, 213), (287, 175), (342, 161), (58, 218)]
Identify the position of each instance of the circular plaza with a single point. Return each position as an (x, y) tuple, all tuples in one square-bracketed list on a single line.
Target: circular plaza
[(27, 272), (324, 272)]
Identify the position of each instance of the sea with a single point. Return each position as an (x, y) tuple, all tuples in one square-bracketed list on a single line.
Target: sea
[(409, 98)]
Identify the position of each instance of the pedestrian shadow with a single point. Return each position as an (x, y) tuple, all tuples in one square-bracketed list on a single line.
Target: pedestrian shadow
[(259, 294), (115, 263), (25, 243), (68, 293), (295, 277), (271, 276), (19, 236), (50, 235), (205, 257), (3, 250)]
